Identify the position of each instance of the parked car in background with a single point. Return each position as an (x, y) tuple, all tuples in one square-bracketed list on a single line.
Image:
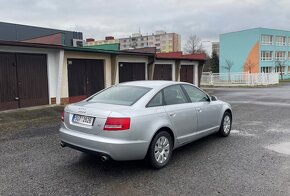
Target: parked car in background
[(143, 119)]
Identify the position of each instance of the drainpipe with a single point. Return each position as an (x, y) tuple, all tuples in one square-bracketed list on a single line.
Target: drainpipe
[(151, 68)]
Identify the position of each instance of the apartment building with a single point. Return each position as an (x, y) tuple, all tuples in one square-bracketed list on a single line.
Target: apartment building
[(164, 42), (107, 40), (256, 50), (216, 47)]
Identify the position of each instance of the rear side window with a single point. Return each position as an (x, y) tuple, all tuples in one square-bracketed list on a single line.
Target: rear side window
[(174, 95), (120, 95), (157, 100), (195, 94)]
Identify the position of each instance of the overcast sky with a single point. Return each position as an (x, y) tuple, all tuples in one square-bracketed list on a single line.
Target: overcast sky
[(98, 18)]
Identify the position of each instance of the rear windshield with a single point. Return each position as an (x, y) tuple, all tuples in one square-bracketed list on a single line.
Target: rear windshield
[(120, 95)]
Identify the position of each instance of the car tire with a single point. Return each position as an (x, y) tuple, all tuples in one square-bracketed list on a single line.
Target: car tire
[(160, 150), (226, 125)]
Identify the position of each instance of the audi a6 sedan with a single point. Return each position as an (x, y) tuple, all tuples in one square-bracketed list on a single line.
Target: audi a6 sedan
[(143, 119)]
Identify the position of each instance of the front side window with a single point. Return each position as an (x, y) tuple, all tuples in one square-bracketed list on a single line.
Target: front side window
[(174, 95), (195, 94), (120, 95)]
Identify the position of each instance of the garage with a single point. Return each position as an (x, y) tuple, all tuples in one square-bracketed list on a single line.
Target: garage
[(162, 72), (23, 80), (85, 77), (131, 71), (186, 73)]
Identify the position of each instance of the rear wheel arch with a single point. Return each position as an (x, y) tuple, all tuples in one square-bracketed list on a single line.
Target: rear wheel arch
[(167, 129), (152, 153)]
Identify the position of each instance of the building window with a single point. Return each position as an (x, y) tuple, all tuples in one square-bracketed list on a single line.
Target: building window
[(288, 69), (267, 39), (280, 69), (288, 56), (266, 69), (281, 41), (280, 56), (266, 55)]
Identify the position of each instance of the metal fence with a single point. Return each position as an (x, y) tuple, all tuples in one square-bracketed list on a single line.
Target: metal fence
[(239, 79)]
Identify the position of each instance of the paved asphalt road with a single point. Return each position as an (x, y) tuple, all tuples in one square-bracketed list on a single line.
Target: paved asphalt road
[(254, 160)]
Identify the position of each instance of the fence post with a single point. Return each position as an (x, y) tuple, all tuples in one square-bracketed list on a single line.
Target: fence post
[(211, 78), (248, 78)]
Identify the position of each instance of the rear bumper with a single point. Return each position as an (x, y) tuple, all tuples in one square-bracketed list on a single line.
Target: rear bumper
[(119, 150)]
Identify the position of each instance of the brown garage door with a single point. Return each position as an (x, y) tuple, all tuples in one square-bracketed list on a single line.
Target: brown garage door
[(32, 79), (8, 82), (162, 72), (186, 73), (131, 71), (23, 80), (85, 77)]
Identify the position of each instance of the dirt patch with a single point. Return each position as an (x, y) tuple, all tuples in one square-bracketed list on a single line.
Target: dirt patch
[(29, 118)]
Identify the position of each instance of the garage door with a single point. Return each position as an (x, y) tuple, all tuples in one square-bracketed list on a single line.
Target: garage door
[(186, 73), (85, 77), (131, 71), (23, 80), (162, 72)]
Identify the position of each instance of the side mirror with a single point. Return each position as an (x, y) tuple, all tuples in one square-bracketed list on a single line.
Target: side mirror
[(213, 98)]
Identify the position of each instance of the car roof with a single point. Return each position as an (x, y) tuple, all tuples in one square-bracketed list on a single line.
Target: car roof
[(151, 83)]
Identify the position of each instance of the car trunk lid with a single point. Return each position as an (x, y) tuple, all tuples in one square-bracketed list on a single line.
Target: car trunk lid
[(92, 116)]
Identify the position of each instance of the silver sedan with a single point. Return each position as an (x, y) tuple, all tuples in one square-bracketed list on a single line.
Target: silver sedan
[(143, 119)]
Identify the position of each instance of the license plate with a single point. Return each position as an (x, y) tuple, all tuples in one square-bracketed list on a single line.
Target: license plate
[(86, 120)]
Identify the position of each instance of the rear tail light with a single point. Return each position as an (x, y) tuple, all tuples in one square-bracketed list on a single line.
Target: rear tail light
[(62, 116), (117, 124)]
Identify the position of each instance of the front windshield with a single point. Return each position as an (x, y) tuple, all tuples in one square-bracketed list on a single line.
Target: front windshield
[(120, 95)]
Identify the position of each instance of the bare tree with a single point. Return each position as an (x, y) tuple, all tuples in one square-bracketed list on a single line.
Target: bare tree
[(193, 45), (280, 64), (249, 66), (228, 66)]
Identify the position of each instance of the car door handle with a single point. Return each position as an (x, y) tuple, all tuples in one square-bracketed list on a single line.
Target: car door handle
[(172, 114), (199, 109)]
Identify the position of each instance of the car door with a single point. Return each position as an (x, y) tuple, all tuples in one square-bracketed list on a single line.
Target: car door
[(207, 111), (180, 112)]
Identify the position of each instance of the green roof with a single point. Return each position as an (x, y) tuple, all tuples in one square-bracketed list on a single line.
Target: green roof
[(94, 50), (115, 47)]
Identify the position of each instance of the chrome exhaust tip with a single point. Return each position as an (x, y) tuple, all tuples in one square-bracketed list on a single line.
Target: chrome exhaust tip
[(104, 158), (62, 144)]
